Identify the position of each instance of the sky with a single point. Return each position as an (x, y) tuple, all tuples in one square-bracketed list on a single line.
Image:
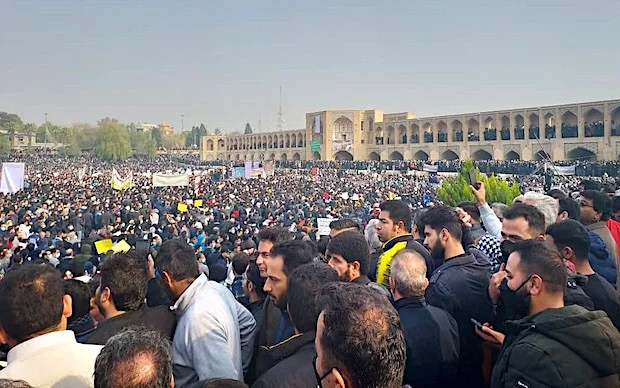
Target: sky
[(221, 63)]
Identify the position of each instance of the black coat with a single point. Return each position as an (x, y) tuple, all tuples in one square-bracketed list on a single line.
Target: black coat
[(432, 339), (459, 286), (293, 364), (158, 318)]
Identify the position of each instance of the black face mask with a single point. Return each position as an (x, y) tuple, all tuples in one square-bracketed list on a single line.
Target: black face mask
[(507, 247), (518, 300)]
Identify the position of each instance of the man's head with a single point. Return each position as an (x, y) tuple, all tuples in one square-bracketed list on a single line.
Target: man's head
[(535, 277), (343, 224), (177, 265), (556, 193), (359, 340), (571, 239), (394, 220), (304, 285), (595, 206), (123, 285), (253, 283), (522, 222), (569, 210), (408, 274), (267, 238), (285, 257), (349, 255), (499, 209), (32, 303), (240, 263), (80, 299), (547, 205), (442, 230), (135, 358)]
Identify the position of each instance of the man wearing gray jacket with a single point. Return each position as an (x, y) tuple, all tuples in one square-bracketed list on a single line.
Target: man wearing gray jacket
[(215, 334)]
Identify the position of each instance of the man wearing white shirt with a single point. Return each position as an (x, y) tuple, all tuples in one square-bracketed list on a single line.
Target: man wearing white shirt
[(33, 322)]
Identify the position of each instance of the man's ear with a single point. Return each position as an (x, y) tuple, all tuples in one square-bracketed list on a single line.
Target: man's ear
[(67, 310), (165, 276), (337, 378), (356, 265), (537, 285), (251, 286)]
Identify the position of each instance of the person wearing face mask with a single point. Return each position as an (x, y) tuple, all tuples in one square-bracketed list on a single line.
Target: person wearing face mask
[(525, 222), (458, 286), (559, 345)]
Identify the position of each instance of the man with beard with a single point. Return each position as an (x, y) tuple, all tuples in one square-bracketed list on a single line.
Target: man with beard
[(458, 286), (349, 255), (560, 346), (393, 231), (214, 333), (284, 258)]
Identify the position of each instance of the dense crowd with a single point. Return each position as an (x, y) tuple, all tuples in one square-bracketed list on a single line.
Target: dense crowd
[(231, 282)]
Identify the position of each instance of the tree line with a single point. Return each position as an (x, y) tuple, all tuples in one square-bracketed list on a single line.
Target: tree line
[(109, 138)]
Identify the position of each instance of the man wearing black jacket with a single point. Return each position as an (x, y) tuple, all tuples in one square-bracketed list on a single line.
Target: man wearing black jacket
[(393, 231), (120, 298), (292, 360), (458, 286)]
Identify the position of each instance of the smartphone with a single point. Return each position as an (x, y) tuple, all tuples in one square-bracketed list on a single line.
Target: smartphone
[(471, 177), (477, 323)]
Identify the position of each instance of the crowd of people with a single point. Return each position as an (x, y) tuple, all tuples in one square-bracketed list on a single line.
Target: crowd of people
[(231, 283)]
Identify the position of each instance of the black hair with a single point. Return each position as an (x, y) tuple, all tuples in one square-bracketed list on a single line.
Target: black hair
[(541, 258), (352, 246), (304, 285), (253, 276), (345, 223), (443, 217), (275, 234), (417, 220), (80, 298), (571, 207), (294, 253), (31, 301), (177, 259), (135, 357), (590, 185), (240, 262), (616, 204), (600, 202), (399, 212), (471, 209), (556, 193), (127, 277), (572, 234), (368, 354), (535, 219)]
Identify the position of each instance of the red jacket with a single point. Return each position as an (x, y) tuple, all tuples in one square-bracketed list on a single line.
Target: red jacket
[(614, 228)]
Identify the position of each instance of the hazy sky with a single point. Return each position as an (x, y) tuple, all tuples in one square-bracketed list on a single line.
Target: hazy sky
[(222, 62)]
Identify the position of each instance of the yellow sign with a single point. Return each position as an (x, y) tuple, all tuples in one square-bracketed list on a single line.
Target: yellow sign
[(121, 246), (103, 246), (198, 202), (182, 207)]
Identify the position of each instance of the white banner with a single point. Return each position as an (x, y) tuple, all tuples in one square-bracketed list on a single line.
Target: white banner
[(561, 170), (168, 180), (12, 177), (323, 225), (430, 168)]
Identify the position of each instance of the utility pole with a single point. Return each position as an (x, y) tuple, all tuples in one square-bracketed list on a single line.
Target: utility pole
[(280, 114), (46, 129)]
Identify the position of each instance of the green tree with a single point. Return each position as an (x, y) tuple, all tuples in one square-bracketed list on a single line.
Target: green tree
[(11, 123), (248, 129), (143, 143), (456, 189), (5, 145), (156, 133), (113, 142), (217, 131), (203, 130)]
